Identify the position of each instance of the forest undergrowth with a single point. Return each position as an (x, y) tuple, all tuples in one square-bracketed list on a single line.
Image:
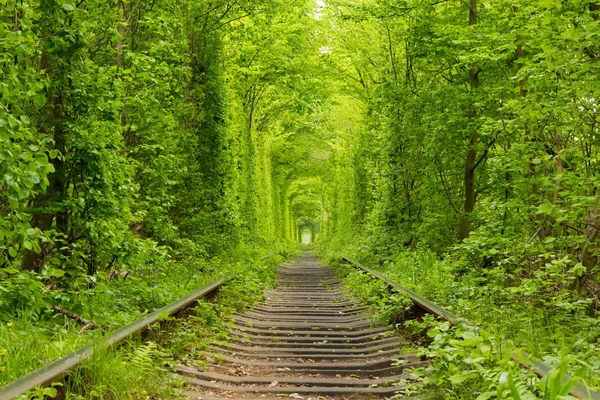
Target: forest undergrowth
[(478, 361), (34, 339)]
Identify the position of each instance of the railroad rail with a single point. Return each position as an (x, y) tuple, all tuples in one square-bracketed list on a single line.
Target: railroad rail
[(61, 367), (423, 305)]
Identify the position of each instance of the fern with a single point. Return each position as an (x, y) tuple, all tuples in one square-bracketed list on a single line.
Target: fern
[(144, 358)]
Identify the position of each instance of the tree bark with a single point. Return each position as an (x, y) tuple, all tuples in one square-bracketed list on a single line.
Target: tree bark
[(586, 254), (121, 31), (470, 162), (51, 125)]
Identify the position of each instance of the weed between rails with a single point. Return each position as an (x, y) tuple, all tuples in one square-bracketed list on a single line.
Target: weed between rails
[(141, 367)]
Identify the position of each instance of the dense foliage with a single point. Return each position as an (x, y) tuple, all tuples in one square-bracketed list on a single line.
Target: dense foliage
[(463, 161), (136, 142), (452, 144)]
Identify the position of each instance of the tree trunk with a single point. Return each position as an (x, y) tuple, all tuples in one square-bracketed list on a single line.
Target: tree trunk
[(469, 205), (51, 125), (558, 169), (470, 163), (121, 31), (535, 188), (586, 254)]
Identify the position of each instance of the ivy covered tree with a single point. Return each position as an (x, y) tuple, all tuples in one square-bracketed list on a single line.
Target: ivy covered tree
[(463, 159), (134, 132)]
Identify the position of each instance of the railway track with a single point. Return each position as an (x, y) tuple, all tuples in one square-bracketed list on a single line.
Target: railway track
[(308, 340)]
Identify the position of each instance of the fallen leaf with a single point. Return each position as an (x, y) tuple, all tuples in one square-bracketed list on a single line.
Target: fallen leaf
[(273, 384)]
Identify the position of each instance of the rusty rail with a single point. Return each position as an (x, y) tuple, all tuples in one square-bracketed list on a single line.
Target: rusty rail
[(540, 368), (61, 367)]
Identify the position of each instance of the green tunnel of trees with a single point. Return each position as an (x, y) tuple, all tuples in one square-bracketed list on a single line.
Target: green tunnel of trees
[(453, 143)]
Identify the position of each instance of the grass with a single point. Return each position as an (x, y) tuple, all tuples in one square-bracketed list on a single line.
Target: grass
[(140, 368), (132, 371), (30, 345)]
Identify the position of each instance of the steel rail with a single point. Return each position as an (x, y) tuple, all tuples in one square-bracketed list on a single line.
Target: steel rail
[(540, 368), (59, 368)]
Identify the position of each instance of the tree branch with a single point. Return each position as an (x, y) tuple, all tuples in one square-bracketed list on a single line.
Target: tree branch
[(484, 153), (447, 191), (87, 324)]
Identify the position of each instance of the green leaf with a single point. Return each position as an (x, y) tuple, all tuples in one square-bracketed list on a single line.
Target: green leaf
[(42, 160), (39, 100), (485, 347), (545, 208), (513, 388), (458, 378), (54, 272), (35, 178), (467, 335)]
